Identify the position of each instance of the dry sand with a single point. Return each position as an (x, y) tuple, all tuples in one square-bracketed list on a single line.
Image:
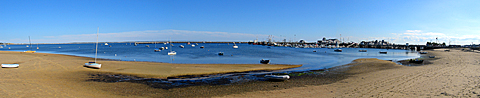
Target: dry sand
[(453, 74), (53, 75)]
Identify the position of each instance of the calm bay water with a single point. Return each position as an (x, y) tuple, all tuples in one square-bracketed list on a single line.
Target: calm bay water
[(245, 54)]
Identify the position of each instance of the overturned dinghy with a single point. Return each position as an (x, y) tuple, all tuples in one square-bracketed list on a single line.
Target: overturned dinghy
[(93, 65), (277, 77), (10, 65)]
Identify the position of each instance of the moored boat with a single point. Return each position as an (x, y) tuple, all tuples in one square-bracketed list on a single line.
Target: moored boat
[(181, 46), (362, 50), (338, 50), (382, 52), (220, 53), (423, 52), (265, 61)]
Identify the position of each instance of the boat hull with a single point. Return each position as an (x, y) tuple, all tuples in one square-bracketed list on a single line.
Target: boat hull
[(277, 77), (10, 65), (93, 65), (265, 61)]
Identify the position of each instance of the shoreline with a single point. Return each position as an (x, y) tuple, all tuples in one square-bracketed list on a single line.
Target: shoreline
[(85, 79), (449, 74)]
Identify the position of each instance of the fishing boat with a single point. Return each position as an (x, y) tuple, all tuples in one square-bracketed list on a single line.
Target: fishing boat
[(277, 77), (29, 51), (265, 61), (382, 52), (338, 50), (220, 53), (94, 64), (10, 65), (362, 50), (235, 45)]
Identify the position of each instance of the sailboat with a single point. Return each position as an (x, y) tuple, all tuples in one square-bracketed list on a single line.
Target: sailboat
[(156, 50), (94, 64), (171, 52), (235, 45), (29, 51)]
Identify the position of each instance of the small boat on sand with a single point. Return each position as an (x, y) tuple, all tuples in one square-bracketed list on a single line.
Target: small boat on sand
[(10, 65), (265, 61), (277, 77), (423, 52), (431, 56), (93, 65)]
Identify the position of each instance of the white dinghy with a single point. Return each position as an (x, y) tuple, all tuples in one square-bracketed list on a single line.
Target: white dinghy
[(10, 65)]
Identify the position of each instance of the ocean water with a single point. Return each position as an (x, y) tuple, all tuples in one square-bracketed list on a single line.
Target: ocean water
[(245, 54)]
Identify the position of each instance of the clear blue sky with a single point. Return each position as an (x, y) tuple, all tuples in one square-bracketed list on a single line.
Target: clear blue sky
[(399, 21)]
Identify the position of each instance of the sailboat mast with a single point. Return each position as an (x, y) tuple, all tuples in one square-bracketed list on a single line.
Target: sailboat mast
[(30, 43), (96, 45)]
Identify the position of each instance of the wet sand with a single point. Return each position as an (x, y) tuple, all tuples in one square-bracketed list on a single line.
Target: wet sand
[(54, 75), (450, 74)]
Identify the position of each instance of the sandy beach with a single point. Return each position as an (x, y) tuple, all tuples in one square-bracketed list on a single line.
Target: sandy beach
[(451, 74), (54, 75)]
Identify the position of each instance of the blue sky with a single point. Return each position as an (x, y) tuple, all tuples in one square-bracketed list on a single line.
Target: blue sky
[(399, 21)]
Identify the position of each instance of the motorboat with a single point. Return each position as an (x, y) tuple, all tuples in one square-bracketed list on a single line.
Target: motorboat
[(338, 50), (202, 47), (382, 52), (193, 45), (172, 53), (362, 50), (181, 46), (265, 61), (277, 77), (220, 53)]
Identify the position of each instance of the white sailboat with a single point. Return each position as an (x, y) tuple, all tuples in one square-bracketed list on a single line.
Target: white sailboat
[(106, 44), (29, 51), (171, 52), (94, 64), (235, 45)]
